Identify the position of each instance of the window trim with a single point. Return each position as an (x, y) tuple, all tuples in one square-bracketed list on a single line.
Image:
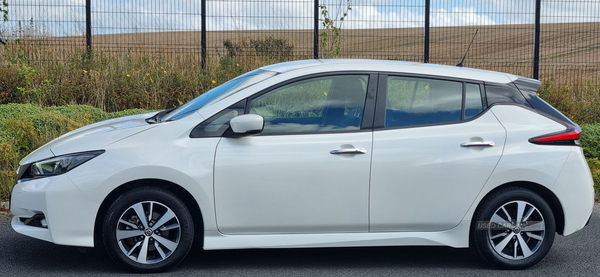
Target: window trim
[(483, 96), (380, 109)]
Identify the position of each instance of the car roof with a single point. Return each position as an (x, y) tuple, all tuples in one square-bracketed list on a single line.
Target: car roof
[(394, 66)]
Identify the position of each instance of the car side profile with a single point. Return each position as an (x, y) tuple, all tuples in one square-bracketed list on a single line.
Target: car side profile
[(318, 153)]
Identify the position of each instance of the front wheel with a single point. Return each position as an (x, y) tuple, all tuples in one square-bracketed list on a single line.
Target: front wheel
[(513, 228), (148, 229)]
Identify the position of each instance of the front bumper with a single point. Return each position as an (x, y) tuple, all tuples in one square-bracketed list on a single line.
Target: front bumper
[(69, 215)]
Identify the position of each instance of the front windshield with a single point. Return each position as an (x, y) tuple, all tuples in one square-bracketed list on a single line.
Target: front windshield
[(219, 93)]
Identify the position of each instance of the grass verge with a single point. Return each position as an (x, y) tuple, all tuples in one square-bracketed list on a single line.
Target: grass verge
[(25, 127)]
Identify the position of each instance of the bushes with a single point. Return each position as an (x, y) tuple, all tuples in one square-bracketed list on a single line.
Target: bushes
[(116, 81), (594, 165), (270, 49), (580, 102), (25, 127), (9, 82), (590, 141)]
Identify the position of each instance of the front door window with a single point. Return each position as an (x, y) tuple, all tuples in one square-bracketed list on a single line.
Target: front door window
[(322, 104)]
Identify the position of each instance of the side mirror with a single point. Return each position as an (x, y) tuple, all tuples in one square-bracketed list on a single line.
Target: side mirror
[(244, 125)]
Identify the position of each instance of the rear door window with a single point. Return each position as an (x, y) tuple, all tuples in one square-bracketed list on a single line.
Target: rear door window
[(417, 101), (422, 101)]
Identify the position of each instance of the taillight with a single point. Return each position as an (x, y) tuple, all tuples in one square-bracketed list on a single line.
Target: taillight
[(568, 137)]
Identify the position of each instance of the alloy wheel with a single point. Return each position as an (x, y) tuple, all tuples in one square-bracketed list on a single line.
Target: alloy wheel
[(516, 230), (148, 232)]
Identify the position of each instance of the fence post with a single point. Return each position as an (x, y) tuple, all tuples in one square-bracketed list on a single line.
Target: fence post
[(426, 42), (316, 31), (203, 34), (536, 41), (88, 26)]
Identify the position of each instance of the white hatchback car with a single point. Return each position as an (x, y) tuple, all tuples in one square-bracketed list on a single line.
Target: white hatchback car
[(318, 153)]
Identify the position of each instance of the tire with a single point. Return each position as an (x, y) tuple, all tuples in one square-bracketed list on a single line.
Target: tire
[(497, 238), (148, 244)]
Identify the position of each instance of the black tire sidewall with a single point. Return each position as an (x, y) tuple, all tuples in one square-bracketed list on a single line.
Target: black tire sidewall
[(142, 194), (480, 238)]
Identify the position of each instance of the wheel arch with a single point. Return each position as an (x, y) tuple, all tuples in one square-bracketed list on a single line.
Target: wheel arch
[(183, 194), (544, 192)]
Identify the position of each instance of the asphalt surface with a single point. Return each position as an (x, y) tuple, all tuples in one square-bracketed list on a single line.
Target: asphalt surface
[(575, 255)]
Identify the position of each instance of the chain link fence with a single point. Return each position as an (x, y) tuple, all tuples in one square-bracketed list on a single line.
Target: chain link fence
[(556, 40)]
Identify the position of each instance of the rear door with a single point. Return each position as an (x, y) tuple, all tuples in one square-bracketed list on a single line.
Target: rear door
[(434, 147)]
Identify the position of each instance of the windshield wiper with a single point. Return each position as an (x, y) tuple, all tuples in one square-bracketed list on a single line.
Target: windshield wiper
[(156, 118)]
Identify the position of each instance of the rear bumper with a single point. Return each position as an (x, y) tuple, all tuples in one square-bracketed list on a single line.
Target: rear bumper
[(575, 191)]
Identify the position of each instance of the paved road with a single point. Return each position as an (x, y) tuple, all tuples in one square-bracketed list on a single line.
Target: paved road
[(575, 255)]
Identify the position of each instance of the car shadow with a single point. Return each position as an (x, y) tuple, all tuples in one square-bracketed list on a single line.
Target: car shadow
[(334, 258), (31, 255)]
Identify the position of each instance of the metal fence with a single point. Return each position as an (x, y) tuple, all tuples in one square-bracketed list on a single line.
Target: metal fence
[(546, 39)]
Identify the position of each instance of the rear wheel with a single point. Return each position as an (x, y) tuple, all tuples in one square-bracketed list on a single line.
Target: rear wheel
[(513, 228), (148, 229)]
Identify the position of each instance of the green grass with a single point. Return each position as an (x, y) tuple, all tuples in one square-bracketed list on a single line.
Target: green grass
[(25, 127)]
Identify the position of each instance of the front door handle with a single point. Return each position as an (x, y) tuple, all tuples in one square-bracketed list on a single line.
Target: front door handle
[(477, 143), (349, 151)]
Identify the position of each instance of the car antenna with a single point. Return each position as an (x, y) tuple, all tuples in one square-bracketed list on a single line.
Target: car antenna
[(460, 64)]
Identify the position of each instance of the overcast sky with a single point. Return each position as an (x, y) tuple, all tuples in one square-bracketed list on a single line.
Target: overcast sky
[(67, 17)]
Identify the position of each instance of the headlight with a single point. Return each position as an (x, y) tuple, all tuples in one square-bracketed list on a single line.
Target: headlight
[(57, 165)]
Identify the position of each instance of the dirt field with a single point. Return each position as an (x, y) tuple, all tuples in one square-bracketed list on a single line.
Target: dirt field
[(567, 50)]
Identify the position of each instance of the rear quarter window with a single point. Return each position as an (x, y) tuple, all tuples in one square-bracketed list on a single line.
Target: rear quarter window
[(504, 94)]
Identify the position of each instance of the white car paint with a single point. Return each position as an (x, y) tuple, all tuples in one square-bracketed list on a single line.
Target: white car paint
[(339, 210), (408, 180), (96, 136), (314, 179)]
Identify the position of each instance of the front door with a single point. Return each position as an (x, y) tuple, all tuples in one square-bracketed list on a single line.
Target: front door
[(308, 171)]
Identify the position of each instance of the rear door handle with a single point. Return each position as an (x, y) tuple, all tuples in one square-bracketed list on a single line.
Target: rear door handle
[(477, 143), (349, 151)]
